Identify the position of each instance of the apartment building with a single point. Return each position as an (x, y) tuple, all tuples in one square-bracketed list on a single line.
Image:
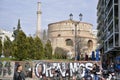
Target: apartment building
[(108, 29)]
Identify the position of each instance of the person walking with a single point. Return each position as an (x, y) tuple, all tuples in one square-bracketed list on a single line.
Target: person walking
[(19, 75)]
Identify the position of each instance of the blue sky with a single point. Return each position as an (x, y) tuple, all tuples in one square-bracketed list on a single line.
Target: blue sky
[(52, 11)]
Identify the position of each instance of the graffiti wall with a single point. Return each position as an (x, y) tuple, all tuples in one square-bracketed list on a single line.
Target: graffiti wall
[(6, 69), (46, 69)]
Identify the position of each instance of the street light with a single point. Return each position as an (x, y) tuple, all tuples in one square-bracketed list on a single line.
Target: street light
[(77, 55), (71, 16), (80, 16)]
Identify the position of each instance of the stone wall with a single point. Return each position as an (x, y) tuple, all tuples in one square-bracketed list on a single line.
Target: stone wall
[(59, 32)]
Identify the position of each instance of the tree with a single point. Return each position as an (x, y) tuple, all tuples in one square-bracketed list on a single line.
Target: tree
[(15, 32), (0, 47), (30, 47), (48, 50), (39, 50), (60, 53), (24, 47), (19, 25), (20, 46), (44, 35), (7, 47)]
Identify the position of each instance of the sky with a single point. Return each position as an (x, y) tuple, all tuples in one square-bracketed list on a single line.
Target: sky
[(52, 11)]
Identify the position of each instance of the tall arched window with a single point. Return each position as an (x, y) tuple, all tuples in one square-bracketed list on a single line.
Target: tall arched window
[(69, 42), (90, 44)]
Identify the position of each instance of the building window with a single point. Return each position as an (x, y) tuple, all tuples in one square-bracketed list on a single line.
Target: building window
[(90, 44), (110, 42), (105, 46), (116, 39), (69, 42), (59, 35), (116, 1), (72, 31)]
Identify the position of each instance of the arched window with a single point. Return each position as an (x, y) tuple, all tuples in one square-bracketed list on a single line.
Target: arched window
[(69, 42), (90, 44)]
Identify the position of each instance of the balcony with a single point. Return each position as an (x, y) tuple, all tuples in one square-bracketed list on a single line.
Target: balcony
[(105, 46), (110, 45), (100, 18), (107, 3), (101, 38), (108, 36), (100, 25), (107, 13), (110, 20), (100, 31), (116, 28)]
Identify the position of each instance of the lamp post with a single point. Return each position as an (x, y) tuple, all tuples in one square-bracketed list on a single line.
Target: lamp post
[(75, 36)]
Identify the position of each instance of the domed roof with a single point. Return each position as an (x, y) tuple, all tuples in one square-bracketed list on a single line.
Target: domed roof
[(69, 21)]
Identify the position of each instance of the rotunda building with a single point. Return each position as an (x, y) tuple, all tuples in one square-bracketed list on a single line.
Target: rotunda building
[(66, 34)]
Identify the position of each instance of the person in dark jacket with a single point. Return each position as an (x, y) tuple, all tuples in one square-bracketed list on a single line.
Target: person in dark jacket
[(19, 75), (86, 57), (95, 70)]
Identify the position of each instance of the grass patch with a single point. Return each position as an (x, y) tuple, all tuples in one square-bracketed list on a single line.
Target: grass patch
[(7, 59), (53, 59)]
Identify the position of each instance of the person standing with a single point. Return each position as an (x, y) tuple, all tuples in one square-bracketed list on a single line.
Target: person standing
[(95, 70), (86, 57), (93, 56), (19, 75)]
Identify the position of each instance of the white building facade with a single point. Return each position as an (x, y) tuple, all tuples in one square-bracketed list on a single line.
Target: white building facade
[(4, 33)]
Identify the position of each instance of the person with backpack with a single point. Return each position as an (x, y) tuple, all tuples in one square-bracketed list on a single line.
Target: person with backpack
[(19, 75)]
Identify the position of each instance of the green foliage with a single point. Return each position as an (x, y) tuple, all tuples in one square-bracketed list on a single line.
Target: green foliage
[(7, 47), (60, 53), (30, 48), (39, 50), (48, 50), (20, 46), (44, 35), (5, 59), (19, 25), (0, 47), (15, 33), (24, 48)]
